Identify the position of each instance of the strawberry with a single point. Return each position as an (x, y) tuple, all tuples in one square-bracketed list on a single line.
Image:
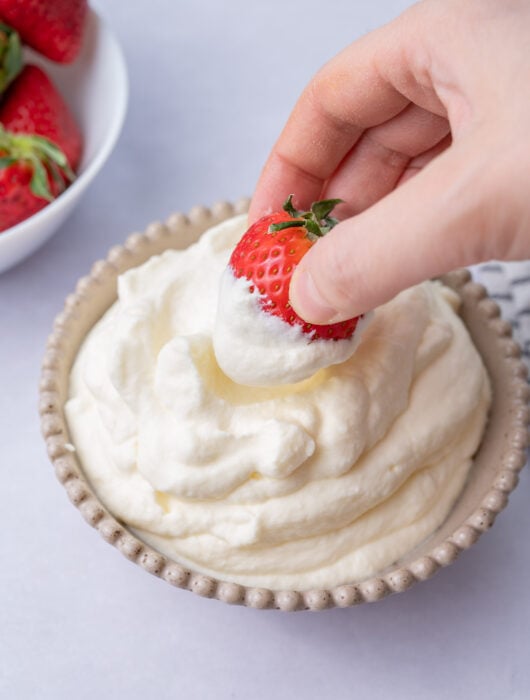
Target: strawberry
[(32, 172), (268, 253), (54, 28), (32, 105), (40, 146)]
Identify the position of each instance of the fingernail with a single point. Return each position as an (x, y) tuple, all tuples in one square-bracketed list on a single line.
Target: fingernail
[(307, 301)]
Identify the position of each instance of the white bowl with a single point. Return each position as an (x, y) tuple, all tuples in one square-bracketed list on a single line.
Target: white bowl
[(95, 87)]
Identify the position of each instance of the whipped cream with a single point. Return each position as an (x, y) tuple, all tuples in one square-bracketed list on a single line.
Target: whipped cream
[(311, 484), (258, 349)]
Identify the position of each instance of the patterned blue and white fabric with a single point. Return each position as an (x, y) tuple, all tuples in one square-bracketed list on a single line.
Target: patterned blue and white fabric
[(509, 285)]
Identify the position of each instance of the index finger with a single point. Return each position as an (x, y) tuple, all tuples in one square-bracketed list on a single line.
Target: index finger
[(367, 84)]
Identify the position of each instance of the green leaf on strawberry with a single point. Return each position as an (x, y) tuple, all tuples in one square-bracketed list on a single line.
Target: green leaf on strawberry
[(44, 158), (10, 56), (317, 221)]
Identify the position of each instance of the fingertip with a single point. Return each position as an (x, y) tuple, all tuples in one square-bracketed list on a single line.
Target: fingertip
[(257, 209), (307, 300), (263, 203), (279, 179)]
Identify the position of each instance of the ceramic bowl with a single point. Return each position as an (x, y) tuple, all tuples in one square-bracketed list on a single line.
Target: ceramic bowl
[(493, 475), (95, 87)]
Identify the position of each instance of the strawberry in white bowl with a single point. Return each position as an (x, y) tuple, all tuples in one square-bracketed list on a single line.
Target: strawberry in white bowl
[(40, 146), (94, 88)]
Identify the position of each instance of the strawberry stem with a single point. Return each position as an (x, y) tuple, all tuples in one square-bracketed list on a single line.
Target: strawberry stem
[(44, 157), (289, 207), (317, 221), (10, 56), (295, 223)]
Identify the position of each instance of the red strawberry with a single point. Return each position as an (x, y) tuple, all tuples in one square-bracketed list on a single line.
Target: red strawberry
[(32, 105), (269, 252), (54, 28), (40, 145)]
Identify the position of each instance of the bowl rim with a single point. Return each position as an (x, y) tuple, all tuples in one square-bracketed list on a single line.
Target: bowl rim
[(96, 163), (183, 229)]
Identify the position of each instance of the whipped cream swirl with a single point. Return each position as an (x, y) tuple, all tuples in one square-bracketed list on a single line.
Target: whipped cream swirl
[(309, 484)]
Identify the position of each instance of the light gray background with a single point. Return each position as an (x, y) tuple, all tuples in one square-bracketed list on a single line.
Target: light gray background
[(211, 85)]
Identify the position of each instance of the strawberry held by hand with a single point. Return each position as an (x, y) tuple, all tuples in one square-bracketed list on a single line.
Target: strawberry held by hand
[(54, 28), (271, 249), (40, 146), (258, 339)]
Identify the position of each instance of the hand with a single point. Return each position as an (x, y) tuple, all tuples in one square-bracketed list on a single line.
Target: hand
[(422, 127)]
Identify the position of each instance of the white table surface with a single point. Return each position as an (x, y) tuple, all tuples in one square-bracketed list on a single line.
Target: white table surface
[(211, 85)]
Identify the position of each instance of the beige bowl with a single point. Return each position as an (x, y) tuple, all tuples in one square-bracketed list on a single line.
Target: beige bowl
[(494, 474)]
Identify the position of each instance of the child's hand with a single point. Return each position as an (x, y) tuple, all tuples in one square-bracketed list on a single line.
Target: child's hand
[(386, 109)]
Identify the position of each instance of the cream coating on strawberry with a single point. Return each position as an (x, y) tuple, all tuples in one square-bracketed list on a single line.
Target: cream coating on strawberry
[(260, 349)]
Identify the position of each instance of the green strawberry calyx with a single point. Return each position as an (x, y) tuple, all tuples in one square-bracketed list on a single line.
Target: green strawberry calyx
[(10, 55), (46, 160), (317, 221)]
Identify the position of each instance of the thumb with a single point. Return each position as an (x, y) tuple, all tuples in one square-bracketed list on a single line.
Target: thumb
[(438, 220)]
